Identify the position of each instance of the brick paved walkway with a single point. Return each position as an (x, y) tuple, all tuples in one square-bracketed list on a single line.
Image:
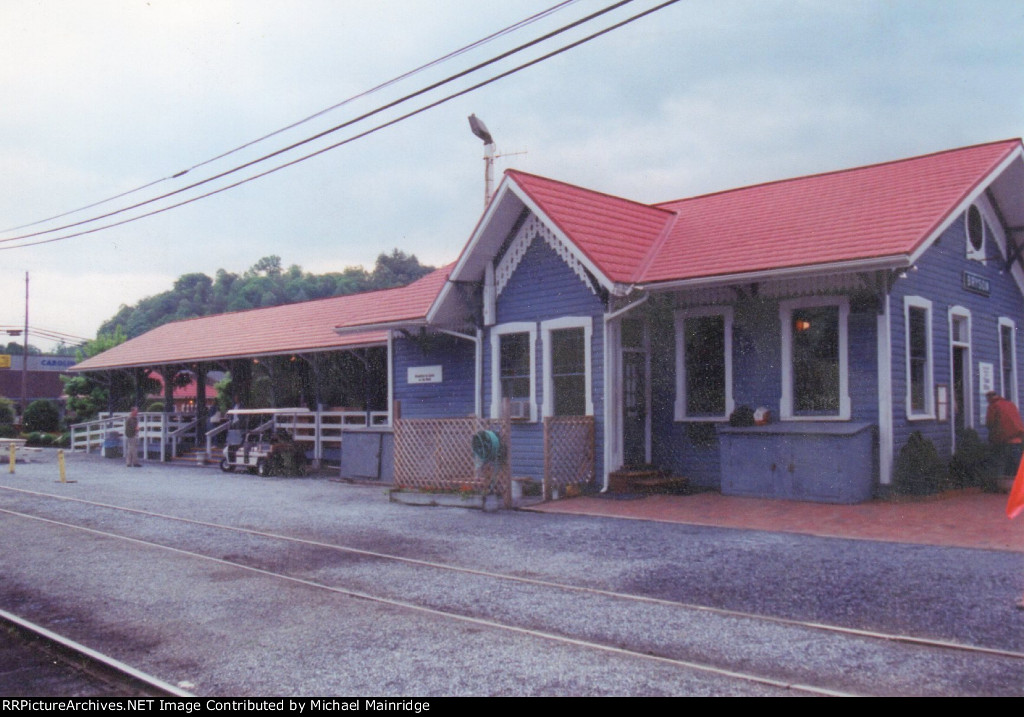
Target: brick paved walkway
[(968, 519)]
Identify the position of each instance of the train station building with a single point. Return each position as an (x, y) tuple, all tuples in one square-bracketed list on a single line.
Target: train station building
[(779, 340)]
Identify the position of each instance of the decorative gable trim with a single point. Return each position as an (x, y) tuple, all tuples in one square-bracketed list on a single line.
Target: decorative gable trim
[(531, 229), (564, 246)]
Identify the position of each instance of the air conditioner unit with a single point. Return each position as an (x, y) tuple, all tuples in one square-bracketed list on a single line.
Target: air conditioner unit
[(519, 410)]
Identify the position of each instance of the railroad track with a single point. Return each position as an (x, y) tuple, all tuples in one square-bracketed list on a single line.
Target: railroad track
[(294, 559), (60, 667)]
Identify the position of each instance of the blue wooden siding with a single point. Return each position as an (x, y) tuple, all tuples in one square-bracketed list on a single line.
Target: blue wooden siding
[(455, 395), (543, 287), (938, 277)]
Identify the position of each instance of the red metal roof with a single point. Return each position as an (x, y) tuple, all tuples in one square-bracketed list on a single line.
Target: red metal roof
[(878, 211), (615, 234), (292, 328)]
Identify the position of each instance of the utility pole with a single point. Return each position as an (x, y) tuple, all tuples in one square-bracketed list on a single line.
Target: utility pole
[(24, 358)]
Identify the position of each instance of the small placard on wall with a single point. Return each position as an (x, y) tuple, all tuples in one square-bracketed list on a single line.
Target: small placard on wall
[(424, 374), (986, 383)]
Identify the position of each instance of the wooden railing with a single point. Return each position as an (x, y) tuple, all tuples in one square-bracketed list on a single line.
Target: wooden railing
[(157, 428), (319, 430)]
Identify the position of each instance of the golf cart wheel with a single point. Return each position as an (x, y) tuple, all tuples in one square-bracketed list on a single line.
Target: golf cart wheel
[(262, 467), (225, 466)]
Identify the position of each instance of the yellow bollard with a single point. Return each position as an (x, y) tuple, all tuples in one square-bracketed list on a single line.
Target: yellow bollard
[(12, 457), (60, 464)]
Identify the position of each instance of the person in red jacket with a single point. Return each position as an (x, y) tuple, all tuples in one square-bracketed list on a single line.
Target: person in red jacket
[(1005, 433)]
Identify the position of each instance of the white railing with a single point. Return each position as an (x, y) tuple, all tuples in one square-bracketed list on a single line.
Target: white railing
[(91, 434), (159, 429), (320, 430)]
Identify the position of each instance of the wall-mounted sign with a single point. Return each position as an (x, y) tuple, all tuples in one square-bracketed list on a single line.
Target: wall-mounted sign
[(942, 402), (977, 284), (5, 360), (424, 374), (986, 383)]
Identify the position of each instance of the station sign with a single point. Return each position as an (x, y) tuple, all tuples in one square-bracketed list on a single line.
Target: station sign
[(424, 374), (977, 284)]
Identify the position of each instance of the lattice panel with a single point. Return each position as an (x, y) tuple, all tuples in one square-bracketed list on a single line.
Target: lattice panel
[(437, 454), (568, 451)]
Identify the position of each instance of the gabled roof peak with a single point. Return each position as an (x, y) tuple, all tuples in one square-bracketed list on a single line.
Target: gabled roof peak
[(883, 212), (521, 176)]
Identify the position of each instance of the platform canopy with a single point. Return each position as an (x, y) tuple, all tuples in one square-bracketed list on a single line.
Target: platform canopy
[(305, 327)]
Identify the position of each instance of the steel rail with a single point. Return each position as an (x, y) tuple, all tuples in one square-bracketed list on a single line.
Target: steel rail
[(135, 682), (460, 617), (538, 582)]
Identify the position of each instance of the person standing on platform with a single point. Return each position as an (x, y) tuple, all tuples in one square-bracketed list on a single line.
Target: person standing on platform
[(131, 439), (1005, 434)]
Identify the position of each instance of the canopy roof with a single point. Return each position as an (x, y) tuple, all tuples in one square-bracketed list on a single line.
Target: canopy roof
[(304, 327)]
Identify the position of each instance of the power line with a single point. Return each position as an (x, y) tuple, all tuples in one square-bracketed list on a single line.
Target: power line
[(433, 63), (319, 135), (348, 140), (42, 333)]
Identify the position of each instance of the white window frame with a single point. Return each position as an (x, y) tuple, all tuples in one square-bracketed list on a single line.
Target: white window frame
[(786, 309), (567, 322), (1011, 394), (962, 312), (515, 327), (726, 312), (972, 253), (919, 302)]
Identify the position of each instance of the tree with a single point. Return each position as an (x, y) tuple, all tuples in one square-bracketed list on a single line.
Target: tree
[(397, 269), (88, 394), (265, 283), (15, 349), (267, 266)]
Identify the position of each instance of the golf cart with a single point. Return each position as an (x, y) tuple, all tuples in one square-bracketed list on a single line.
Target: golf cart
[(253, 443)]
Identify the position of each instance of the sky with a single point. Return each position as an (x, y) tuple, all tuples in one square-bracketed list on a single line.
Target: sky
[(103, 97)]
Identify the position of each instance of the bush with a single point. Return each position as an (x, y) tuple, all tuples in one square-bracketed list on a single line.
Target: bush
[(41, 416), (155, 407), (7, 430), (918, 469), (6, 412), (973, 463), (38, 438)]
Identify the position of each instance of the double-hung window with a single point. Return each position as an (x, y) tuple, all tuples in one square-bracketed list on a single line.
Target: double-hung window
[(567, 360), (514, 367), (1008, 358), (917, 315), (704, 364), (815, 359)]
